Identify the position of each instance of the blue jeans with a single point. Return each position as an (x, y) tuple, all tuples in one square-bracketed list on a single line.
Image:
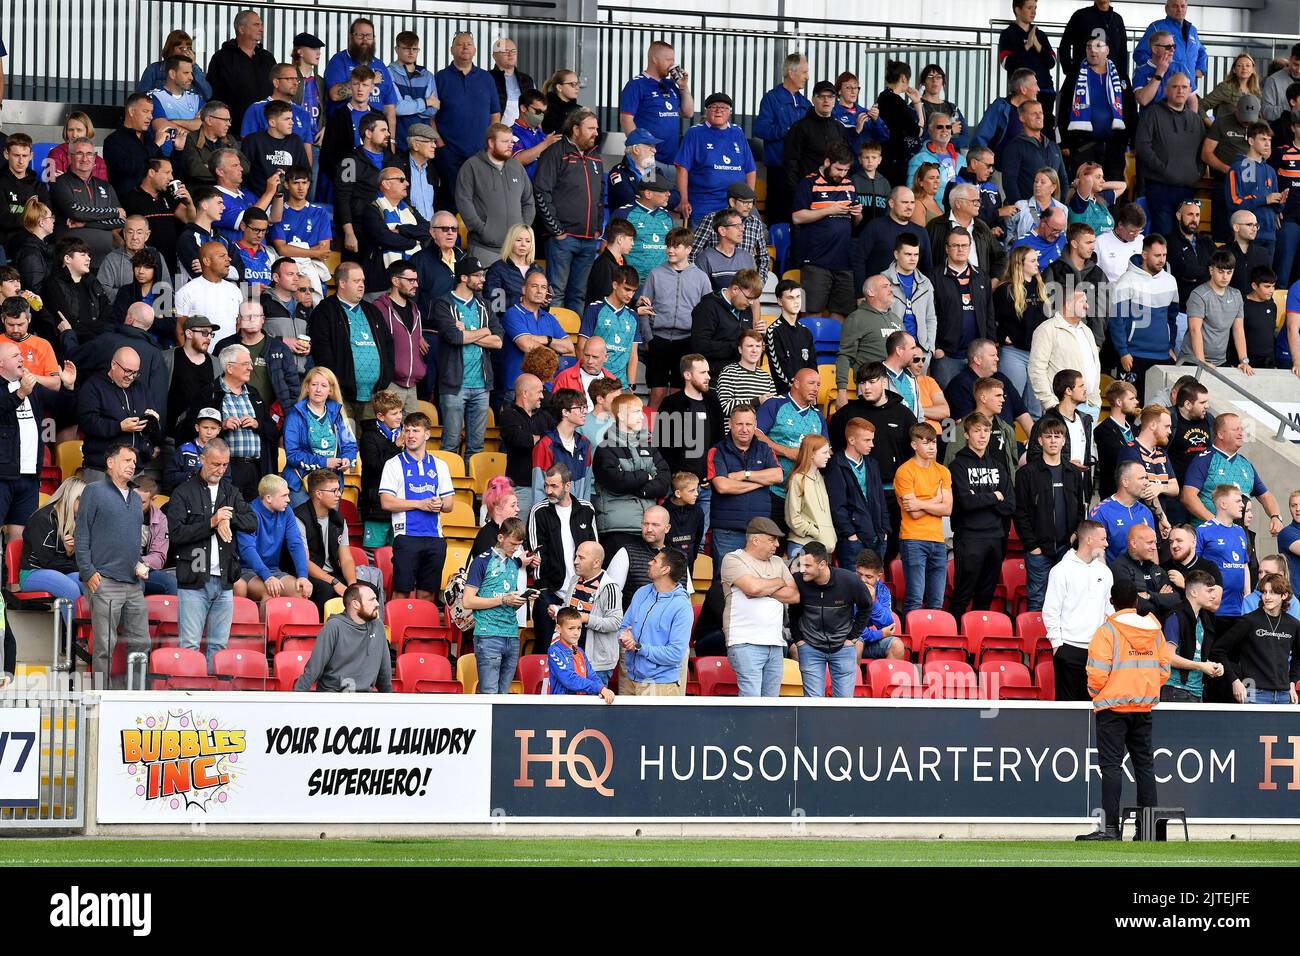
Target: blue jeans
[(1014, 364), (464, 408), (568, 263), (758, 668), (813, 664), (160, 582), (925, 569), (943, 370), (209, 608), (726, 541), (496, 659), (1286, 254), (1262, 696), (1037, 568)]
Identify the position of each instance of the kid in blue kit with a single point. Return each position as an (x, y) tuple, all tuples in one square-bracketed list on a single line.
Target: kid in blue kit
[(186, 460), (567, 664)]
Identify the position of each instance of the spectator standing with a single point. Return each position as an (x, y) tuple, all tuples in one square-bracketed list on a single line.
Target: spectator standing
[(781, 107), (1076, 603), (789, 345), (826, 211), (1049, 507), (109, 514), (468, 333), (240, 72), (493, 193), (657, 101), (512, 82), (568, 189), (351, 651), (714, 154), (923, 488), (1168, 146), (416, 488), (757, 587), (983, 502)]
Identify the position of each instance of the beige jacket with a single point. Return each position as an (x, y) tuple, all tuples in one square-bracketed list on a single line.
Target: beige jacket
[(808, 510)]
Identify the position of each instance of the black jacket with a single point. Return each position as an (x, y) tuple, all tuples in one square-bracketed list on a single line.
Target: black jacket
[(267, 430), (523, 79), (544, 533), (830, 614), (374, 449), (14, 193), (240, 80), (852, 512), (806, 144), (892, 420), (1035, 514), (331, 344), (356, 185), (1148, 577), (83, 304), (976, 510), (948, 308), (101, 409), (189, 524), (715, 331), (992, 257), (569, 189)]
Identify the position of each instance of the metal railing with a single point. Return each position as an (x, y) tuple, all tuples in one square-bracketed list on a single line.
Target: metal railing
[(62, 755), (1291, 421)]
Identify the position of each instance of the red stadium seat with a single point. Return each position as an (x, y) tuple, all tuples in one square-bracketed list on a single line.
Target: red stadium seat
[(1012, 583), (716, 677), (13, 567), (244, 669), (384, 562), (299, 613), (533, 669), (1000, 680), (246, 629), (934, 635), (888, 678), (179, 668), (415, 624), (950, 680), (289, 666), (977, 625), (421, 673)]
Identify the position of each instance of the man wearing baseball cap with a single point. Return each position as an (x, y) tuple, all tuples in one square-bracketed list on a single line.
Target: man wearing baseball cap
[(713, 155), (808, 139)]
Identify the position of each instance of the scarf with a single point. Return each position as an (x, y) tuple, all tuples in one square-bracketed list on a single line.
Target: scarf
[(1081, 109), (395, 216)]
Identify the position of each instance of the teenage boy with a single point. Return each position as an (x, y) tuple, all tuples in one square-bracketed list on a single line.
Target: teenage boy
[(416, 488), (492, 594), (923, 488), (568, 669), (983, 503), (1049, 506)]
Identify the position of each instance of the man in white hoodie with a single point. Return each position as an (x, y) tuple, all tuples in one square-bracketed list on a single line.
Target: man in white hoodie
[(1076, 604)]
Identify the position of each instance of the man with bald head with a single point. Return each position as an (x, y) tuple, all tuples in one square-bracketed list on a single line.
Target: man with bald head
[(1140, 563), (211, 293), (558, 527), (862, 340), (875, 250), (22, 415), (598, 598), (591, 366), (350, 338), (116, 407), (523, 423)]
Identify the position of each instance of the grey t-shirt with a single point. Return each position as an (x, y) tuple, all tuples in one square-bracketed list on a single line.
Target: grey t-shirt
[(1218, 312)]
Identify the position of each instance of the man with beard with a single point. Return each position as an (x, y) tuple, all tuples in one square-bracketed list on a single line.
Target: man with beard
[(351, 651), (826, 210), (360, 52)]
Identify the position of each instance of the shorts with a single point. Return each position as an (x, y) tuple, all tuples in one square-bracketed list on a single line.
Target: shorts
[(826, 290), (876, 650), (377, 534), (417, 563), (663, 367), (18, 499)]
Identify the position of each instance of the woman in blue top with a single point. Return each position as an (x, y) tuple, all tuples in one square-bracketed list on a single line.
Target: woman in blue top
[(316, 435)]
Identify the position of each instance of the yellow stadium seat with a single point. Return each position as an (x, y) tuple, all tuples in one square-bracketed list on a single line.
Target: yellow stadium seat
[(791, 679), (333, 606), (68, 454), (569, 320), (485, 466), (467, 673)]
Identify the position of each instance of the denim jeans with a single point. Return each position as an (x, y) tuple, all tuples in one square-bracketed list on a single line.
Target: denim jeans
[(568, 263), (842, 664), (464, 408), (1261, 696), (1287, 252), (1037, 568), (210, 607), (758, 668), (726, 541), (1014, 364), (496, 659), (925, 569)]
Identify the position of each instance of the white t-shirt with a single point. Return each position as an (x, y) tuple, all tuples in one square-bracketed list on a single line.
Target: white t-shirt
[(214, 553), (28, 435), (218, 301)]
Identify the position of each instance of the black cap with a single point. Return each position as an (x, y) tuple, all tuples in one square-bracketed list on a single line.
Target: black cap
[(308, 40)]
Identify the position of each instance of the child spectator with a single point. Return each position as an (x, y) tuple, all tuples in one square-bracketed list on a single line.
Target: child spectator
[(569, 671), (685, 516), (186, 460)]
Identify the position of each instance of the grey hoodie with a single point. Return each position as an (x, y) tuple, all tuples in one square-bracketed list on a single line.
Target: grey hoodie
[(348, 657)]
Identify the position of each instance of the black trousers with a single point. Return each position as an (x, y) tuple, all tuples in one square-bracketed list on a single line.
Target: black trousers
[(977, 567), (1117, 734), (1071, 666)]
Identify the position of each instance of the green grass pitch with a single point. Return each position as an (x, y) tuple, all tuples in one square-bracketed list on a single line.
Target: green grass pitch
[(508, 851)]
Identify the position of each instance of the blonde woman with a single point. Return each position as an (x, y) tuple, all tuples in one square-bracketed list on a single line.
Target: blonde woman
[(49, 563), (1243, 79), (925, 186), (1020, 306), (1047, 194), (76, 126), (505, 277), (316, 434), (807, 506)]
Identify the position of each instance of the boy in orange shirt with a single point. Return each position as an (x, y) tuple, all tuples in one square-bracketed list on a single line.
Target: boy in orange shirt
[(924, 491)]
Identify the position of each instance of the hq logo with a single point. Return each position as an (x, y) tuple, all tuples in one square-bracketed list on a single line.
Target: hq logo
[(578, 766), (182, 759)]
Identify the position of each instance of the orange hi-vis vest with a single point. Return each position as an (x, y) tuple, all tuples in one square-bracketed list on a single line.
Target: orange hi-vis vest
[(1128, 663)]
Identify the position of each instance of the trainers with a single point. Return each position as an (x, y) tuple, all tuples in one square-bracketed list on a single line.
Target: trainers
[(1108, 835)]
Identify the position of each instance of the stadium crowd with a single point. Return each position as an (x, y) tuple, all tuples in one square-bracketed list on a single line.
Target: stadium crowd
[(275, 283)]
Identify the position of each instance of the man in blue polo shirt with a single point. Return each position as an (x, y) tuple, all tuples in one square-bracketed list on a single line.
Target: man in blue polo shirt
[(1223, 464), (469, 104), (612, 320), (712, 156), (741, 475), (785, 420), (528, 325), (416, 488), (656, 101), (360, 52)]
